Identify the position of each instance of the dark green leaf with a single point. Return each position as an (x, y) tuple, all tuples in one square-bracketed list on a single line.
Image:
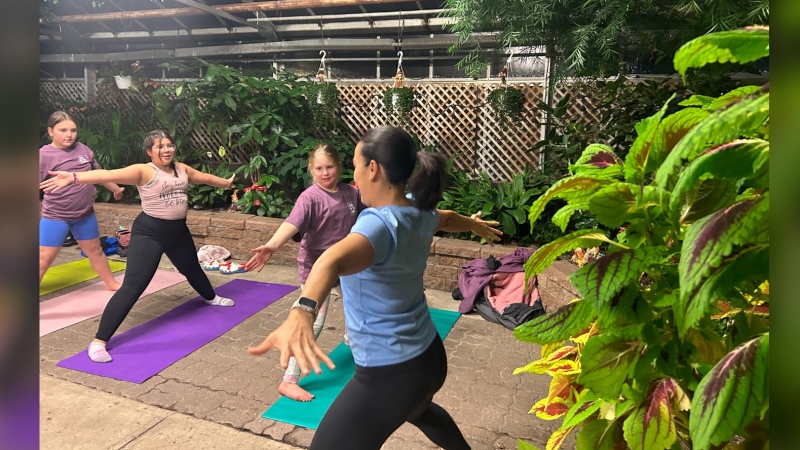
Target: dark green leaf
[(574, 189), (647, 131), (733, 46), (606, 360), (545, 255), (731, 395), (599, 434)]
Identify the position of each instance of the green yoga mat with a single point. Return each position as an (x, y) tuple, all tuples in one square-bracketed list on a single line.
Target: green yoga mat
[(330, 383), (65, 275)]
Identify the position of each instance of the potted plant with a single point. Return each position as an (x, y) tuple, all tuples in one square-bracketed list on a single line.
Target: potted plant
[(507, 104), (323, 98), (126, 75), (399, 101)]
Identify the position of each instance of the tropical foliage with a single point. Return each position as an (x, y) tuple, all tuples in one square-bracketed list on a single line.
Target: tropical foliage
[(668, 347), (594, 38)]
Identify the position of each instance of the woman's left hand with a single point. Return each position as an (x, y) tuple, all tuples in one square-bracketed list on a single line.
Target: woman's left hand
[(118, 194), (230, 181), (295, 337)]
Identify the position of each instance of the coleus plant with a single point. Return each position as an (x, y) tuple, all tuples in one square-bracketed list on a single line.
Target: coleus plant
[(668, 346)]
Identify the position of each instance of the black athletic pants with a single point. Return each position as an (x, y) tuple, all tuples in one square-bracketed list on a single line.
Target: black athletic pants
[(378, 400), (150, 238)]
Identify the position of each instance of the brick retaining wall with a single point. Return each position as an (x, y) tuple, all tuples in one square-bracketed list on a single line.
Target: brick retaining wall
[(241, 232)]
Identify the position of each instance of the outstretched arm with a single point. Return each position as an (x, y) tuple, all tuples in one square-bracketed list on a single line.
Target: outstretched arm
[(453, 222), (133, 174), (198, 177), (264, 252), (295, 337), (115, 189)]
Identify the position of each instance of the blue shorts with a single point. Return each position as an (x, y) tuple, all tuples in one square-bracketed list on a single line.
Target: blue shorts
[(52, 233)]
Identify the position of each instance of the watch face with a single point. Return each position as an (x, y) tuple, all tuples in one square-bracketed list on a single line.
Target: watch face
[(307, 302)]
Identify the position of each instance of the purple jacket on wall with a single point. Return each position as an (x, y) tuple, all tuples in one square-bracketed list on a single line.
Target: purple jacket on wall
[(474, 275)]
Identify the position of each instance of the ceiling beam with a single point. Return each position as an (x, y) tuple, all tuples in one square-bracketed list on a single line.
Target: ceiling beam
[(372, 44), (276, 5), (267, 31)]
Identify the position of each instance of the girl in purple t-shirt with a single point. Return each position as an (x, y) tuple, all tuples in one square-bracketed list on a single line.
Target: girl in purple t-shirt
[(70, 209), (322, 216)]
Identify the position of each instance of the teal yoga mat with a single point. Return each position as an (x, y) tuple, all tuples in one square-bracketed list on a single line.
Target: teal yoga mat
[(330, 383)]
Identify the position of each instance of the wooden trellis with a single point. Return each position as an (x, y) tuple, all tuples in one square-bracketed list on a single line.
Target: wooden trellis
[(452, 117)]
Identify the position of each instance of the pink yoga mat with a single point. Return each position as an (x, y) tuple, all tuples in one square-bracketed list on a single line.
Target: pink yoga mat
[(88, 302)]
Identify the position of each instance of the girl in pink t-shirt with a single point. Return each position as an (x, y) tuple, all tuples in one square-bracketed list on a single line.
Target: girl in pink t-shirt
[(321, 217)]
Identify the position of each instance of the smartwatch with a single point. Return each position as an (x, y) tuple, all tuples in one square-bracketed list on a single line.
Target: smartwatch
[(306, 304)]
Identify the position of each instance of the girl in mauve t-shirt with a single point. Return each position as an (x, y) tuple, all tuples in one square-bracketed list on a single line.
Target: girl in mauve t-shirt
[(321, 217)]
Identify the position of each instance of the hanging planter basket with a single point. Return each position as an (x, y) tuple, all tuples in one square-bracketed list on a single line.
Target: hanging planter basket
[(399, 101), (323, 99), (507, 104), (123, 81)]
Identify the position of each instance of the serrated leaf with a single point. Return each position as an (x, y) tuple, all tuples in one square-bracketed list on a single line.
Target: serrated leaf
[(558, 325), (734, 46), (557, 438), (740, 119), (549, 409), (557, 361), (545, 255), (599, 281), (587, 405), (671, 130), (598, 435), (522, 445), (597, 160), (712, 238), (619, 203), (697, 100), (652, 425), (733, 96), (562, 216), (575, 189), (704, 198), (605, 363), (731, 395), (749, 263), (735, 160), (646, 130)]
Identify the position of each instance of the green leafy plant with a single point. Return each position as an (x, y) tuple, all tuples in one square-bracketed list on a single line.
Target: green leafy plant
[(258, 198), (650, 365), (205, 196), (323, 99), (507, 104), (399, 101)]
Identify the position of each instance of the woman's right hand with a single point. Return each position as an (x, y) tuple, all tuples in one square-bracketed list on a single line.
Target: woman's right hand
[(59, 180), (260, 259)]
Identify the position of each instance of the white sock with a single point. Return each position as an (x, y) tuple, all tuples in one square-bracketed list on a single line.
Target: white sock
[(220, 301), (98, 352)]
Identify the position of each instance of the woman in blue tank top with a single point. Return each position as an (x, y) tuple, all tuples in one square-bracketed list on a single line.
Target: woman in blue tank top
[(400, 359)]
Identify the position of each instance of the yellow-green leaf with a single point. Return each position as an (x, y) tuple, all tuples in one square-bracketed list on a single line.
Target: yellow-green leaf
[(575, 189)]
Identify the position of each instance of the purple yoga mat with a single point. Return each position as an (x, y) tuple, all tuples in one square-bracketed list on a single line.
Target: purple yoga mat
[(149, 348)]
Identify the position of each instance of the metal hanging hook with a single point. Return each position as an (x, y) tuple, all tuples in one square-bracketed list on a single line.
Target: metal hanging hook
[(508, 61), (400, 60), (321, 71), (323, 53)]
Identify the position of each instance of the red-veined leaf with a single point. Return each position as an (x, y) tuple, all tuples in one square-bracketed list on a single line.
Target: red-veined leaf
[(599, 281), (647, 130), (586, 405), (731, 395), (606, 361), (741, 118), (549, 409), (652, 425), (620, 203), (557, 438)]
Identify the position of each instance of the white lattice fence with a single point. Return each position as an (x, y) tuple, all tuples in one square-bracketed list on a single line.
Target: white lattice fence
[(454, 117)]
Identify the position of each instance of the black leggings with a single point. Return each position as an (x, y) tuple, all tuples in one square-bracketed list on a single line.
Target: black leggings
[(150, 238), (378, 400)]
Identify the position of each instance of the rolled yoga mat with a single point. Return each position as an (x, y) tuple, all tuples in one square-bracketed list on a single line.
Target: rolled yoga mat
[(147, 349), (88, 302), (71, 273), (330, 383)]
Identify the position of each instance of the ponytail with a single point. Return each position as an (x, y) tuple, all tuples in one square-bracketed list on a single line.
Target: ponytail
[(429, 180)]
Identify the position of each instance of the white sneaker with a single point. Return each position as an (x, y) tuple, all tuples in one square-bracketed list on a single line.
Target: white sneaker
[(220, 301)]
